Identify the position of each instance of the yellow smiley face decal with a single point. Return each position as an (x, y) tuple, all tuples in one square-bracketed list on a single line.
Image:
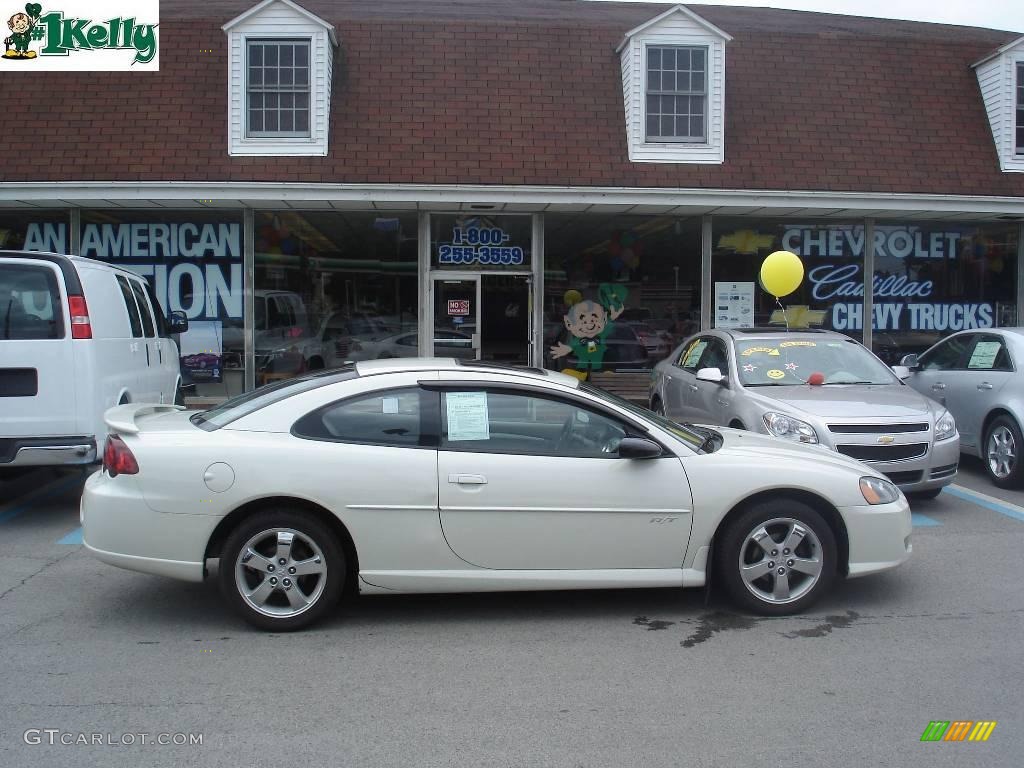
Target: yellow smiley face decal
[(775, 373)]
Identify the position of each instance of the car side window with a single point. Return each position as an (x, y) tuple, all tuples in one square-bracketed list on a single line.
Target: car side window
[(158, 313), (129, 303), (989, 353), (148, 326), (715, 356), (946, 355), (394, 417), (692, 354), (518, 423)]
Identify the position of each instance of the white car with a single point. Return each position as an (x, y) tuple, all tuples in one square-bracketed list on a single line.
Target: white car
[(77, 336), (427, 475)]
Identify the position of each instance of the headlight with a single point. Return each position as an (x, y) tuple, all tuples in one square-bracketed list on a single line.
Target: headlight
[(945, 427), (787, 427), (878, 491)]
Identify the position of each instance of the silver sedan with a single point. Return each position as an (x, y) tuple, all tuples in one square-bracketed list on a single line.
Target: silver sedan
[(975, 375), (811, 386)]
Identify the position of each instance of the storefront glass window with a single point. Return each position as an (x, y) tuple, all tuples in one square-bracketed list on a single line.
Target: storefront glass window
[(932, 279), (333, 287), (832, 290), (476, 242), (193, 260), (35, 231), (619, 291)]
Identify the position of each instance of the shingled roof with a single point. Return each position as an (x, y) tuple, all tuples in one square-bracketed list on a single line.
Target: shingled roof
[(529, 92)]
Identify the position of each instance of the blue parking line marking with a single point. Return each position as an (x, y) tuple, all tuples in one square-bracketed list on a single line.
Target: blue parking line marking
[(922, 521), (57, 486), (988, 502), (75, 537)]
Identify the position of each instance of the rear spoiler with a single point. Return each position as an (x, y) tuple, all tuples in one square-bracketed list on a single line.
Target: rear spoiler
[(121, 418)]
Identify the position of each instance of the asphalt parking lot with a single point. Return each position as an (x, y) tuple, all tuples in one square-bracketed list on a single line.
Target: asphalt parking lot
[(606, 678)]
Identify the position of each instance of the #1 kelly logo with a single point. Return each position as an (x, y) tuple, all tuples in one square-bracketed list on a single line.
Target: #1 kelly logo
[(112, 43)]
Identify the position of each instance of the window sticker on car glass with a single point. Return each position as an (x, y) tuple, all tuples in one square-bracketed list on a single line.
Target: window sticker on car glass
[(775, 373), (467, 416), (693, 354), (755, 350), (390, 405), (798, 344), (984, 355)]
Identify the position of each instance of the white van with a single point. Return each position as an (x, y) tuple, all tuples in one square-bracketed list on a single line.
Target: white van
[(77, 337)]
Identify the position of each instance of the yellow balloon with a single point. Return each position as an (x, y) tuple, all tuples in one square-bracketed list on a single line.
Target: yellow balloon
[(572, 296), (781, 273)]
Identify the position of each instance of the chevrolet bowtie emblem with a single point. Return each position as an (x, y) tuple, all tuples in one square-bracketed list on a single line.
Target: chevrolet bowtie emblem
[(886, 439)]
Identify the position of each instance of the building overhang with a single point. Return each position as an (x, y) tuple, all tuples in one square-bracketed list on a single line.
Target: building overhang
[(506, 199)]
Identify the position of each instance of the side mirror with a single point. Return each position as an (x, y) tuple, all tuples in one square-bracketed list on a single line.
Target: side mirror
[(710, 374), (177, 323), (902, 371), (638, 448), (911, 362)]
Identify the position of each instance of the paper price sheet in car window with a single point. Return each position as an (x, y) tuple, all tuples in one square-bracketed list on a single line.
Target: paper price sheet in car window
[(984, 355), (467, 416)]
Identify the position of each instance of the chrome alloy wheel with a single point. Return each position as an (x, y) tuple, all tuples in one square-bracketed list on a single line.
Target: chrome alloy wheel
[(1001, 452), (780, 560), (280, 572)]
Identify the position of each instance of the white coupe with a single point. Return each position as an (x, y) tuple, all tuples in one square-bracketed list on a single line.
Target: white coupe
[(444, 476)]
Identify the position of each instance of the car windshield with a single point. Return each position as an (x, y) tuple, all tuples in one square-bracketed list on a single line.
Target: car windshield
[(685, 433), (790, 361)]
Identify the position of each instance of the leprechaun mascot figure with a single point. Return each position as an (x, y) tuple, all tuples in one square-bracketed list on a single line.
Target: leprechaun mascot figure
[(21, 25)]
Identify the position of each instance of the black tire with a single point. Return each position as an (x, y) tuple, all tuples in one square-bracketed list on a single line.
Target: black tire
[(278, 613), (736, 542), (994, 450), (928, 495)]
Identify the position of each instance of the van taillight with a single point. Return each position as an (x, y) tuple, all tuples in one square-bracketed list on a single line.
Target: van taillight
[(80, 326), (118, 458)]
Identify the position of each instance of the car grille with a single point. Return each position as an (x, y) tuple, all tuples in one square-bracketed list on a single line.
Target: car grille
[(904, 478), (877, 429), (940, 472), (884, 452)]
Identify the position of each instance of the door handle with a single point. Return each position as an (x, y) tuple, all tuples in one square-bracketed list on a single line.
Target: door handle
[(467, 479), (693, 387), (984, 385), (940, 385)]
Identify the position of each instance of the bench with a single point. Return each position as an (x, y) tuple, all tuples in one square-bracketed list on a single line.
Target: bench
[(635, 387)]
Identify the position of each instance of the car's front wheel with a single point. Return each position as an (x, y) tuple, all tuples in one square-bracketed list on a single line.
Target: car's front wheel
[(777, 557), (282, 570), (1003, 444)]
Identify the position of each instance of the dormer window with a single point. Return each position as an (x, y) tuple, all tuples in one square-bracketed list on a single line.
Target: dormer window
[(1001, 80), (673, 87), (1020, 108), (677, 93), (281, 61), (277, 88)]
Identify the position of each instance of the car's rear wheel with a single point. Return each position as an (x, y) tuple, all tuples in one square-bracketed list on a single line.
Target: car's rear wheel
[(282, 570), (778, 557), (1003, 444)]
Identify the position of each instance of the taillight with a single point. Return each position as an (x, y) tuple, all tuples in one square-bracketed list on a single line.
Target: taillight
[(118, 458), (80, 326)]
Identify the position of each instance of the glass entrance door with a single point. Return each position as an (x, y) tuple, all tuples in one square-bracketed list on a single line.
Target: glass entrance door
[(457, 317), (506, 319)]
